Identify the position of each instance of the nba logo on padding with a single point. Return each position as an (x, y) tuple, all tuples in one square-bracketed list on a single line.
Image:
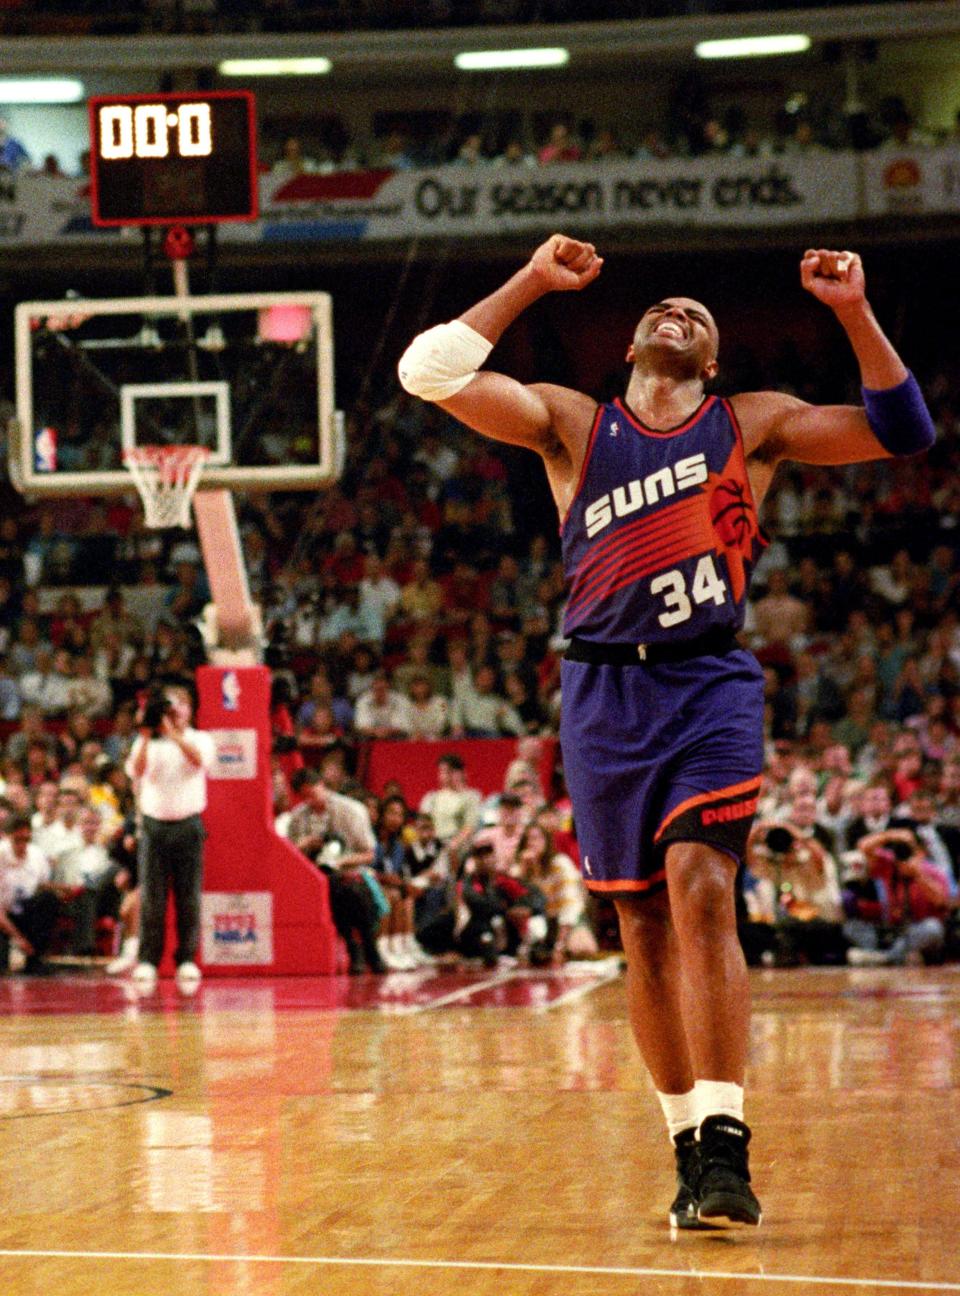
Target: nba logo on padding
[(230, 691), (45, 450)]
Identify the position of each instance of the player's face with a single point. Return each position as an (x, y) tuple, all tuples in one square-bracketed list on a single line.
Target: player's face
[(677, 332)]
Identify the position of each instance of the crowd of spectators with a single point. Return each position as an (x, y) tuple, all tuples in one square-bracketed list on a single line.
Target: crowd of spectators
[(690, 128)]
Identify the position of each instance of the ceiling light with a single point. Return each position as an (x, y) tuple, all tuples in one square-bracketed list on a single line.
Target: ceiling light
[(40, 90), (751, 46), (494, 60), (275, 66)]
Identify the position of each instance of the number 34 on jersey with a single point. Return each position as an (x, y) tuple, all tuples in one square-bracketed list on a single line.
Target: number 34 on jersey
[(707, 586)]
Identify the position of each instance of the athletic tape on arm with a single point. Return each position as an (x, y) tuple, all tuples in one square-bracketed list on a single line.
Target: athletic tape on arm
[(440, 362), (899, 418)]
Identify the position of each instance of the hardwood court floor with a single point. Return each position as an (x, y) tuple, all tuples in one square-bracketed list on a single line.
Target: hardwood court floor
[(462, 1135)]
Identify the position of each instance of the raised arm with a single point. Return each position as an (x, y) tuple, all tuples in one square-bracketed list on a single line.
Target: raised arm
[(442, 364), (893, 419)]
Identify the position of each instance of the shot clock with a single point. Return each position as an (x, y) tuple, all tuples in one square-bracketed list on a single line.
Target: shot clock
[(162, 159)]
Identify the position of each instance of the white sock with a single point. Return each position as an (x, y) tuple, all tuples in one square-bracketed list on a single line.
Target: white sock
[(717, 1098), (680, 1111)]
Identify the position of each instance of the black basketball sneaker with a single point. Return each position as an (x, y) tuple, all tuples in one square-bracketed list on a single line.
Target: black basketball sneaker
[(724, 1196), (683, 1212)]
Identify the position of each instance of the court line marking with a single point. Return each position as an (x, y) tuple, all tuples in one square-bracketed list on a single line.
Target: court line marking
[(454, 996), (603, 976), (367, 1262)]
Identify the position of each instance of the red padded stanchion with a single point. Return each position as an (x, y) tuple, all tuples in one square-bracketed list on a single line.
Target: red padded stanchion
[(265, 907)]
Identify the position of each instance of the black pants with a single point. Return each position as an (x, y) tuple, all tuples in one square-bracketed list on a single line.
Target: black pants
[(353, 912), (792, 941), (170, 856), (35, 920)]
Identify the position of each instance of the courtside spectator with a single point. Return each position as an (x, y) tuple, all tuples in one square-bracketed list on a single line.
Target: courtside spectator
[(453, 807), (28, 907)]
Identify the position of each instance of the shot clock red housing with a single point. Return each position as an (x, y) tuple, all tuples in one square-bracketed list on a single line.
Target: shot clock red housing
[(162, 159)]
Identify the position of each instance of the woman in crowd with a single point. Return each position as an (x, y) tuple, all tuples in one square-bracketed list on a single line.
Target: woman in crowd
[(555, 875), (397, 944)]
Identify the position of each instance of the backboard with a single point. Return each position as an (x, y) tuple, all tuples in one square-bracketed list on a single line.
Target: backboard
[(247, 375)]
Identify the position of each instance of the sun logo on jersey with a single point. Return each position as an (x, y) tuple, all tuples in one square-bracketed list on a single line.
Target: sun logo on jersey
[(732, 513), (734, 523)]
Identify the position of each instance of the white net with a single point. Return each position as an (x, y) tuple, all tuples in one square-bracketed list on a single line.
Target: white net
[(166, 477)]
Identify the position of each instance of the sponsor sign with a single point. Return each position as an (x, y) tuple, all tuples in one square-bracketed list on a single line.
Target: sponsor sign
[(912, 182), (235, 754), (236, 928)]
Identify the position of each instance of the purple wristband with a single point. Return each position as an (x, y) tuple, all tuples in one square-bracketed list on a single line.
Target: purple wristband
[(899, 418)]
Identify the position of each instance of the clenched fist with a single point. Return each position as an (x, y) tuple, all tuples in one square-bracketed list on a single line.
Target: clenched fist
[(835, 278), (565, 264)]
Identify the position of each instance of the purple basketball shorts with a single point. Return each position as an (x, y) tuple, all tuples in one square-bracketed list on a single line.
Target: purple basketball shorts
[(660, 753)]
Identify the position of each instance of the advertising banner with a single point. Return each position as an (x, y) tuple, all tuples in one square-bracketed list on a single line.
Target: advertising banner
[(915, 182), (235, 754), (485, 200), (489, 200), (236, 928)]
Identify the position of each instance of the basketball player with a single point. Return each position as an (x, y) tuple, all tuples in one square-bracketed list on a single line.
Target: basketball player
[(662, 711)]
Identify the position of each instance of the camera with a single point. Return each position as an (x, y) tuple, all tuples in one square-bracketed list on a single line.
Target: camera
[(779, 841), (900, 850), (156, 706)]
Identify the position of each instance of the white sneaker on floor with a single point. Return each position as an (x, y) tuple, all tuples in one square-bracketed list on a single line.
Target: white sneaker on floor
[(126, 960), (188, 978), (145, 976), (865, 957), (393, 959), (414, 950)]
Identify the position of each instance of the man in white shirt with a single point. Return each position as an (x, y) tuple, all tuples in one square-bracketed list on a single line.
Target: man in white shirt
[(381, 712), (483, 713), (168, 764), (81, 871), (28, 907), (335, 832), (46, 685), (379, 592), (454, 807), (505, 835), (56, 823)]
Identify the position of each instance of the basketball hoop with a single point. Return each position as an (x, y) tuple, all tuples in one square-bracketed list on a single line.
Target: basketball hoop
[(166, 477)]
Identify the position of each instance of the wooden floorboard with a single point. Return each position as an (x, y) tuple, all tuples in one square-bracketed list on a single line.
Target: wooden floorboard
[(455, 1135)]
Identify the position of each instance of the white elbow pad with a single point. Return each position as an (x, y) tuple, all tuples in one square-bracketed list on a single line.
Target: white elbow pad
[(440, 362)]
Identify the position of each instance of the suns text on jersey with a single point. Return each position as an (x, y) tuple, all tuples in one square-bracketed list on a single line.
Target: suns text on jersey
[(643, 492)]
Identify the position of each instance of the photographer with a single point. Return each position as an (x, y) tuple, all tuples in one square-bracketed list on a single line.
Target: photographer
[(792, 896), (168, 765), (897, 911)]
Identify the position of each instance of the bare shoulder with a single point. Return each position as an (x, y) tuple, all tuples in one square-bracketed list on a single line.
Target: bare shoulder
[(760, 415)]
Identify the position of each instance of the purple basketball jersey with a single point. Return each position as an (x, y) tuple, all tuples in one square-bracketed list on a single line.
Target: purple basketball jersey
[(662, 536)]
